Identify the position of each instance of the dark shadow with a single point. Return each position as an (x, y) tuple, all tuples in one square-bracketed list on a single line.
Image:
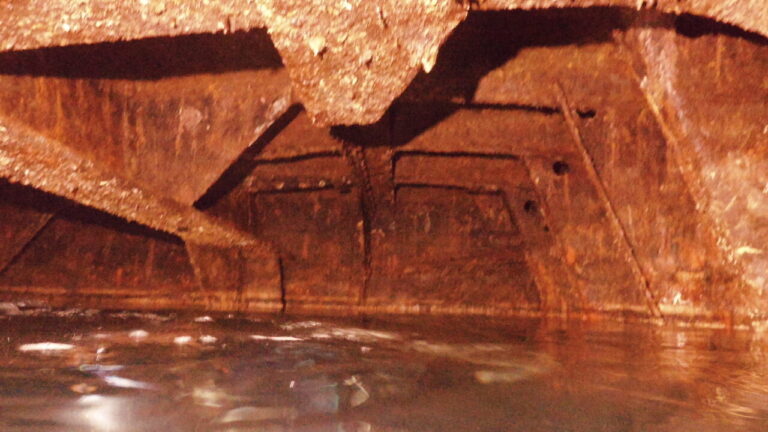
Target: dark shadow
[(246, 162), (487, 40), (411, 120), (148, 59), (89, 216), (403, 122), (372, 135), (28, 197), (693, 26), (482, 43)]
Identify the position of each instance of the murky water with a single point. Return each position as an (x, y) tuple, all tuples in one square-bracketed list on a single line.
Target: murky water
[(98, 371)]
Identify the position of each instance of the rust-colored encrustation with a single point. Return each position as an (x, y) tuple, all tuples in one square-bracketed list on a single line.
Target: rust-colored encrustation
[(538, 157)]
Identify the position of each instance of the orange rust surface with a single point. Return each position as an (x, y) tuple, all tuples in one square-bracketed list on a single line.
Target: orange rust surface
[(348, 60), (561, 161)]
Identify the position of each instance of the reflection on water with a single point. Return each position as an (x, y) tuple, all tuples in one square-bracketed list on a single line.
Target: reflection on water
[(92, 371)]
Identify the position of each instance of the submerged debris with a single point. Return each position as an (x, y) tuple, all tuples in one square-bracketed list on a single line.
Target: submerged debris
[(83, 388), (182, 340), (257, 414), (301, 325), (276, 338), (138, 334), (116, 381), (45, 347), (359, 394), (207, 339), (354, 334), (9, 309)]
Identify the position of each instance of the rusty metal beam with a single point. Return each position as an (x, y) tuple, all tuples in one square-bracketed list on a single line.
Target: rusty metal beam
[(216, 172), (465, 133), (224, 258), (274, 112), (30, 159), (355, 157), (348, 60), (43, 23), (728, 191), (153, 132), (569, 114)]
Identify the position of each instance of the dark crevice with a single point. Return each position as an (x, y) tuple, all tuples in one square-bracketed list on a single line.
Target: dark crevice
[(65, 209), (31, 198), (475, 190), (296, 189), (148, 59), (531, 207), (454, 154), (561, 168), (240, 287), (586, 113), (298, 158), (246, 162), (41, 225), (487, 40), (693, 26), (542, 109), (356, 158)]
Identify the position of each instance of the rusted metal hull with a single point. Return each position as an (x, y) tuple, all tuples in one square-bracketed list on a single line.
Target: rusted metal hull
[(574, 162)]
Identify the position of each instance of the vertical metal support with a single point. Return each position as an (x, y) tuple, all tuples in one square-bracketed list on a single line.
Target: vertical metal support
[(354, 154), (570, 119)]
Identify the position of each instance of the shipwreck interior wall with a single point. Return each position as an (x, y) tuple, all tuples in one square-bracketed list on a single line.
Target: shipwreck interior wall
[(586, 161)]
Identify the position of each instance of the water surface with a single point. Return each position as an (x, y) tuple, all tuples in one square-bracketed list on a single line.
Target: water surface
[(103, 371)]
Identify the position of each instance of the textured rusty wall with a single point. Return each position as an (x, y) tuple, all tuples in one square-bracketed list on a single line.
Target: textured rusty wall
[(80, 252), (154, 109), (562, 161)]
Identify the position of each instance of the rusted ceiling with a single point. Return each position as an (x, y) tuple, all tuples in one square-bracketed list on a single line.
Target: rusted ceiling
[(348, 60)]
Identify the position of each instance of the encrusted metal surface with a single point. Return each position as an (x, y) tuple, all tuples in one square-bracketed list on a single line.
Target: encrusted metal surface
[(566, 159), (30, 24), (348, 60), (29, 159)]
